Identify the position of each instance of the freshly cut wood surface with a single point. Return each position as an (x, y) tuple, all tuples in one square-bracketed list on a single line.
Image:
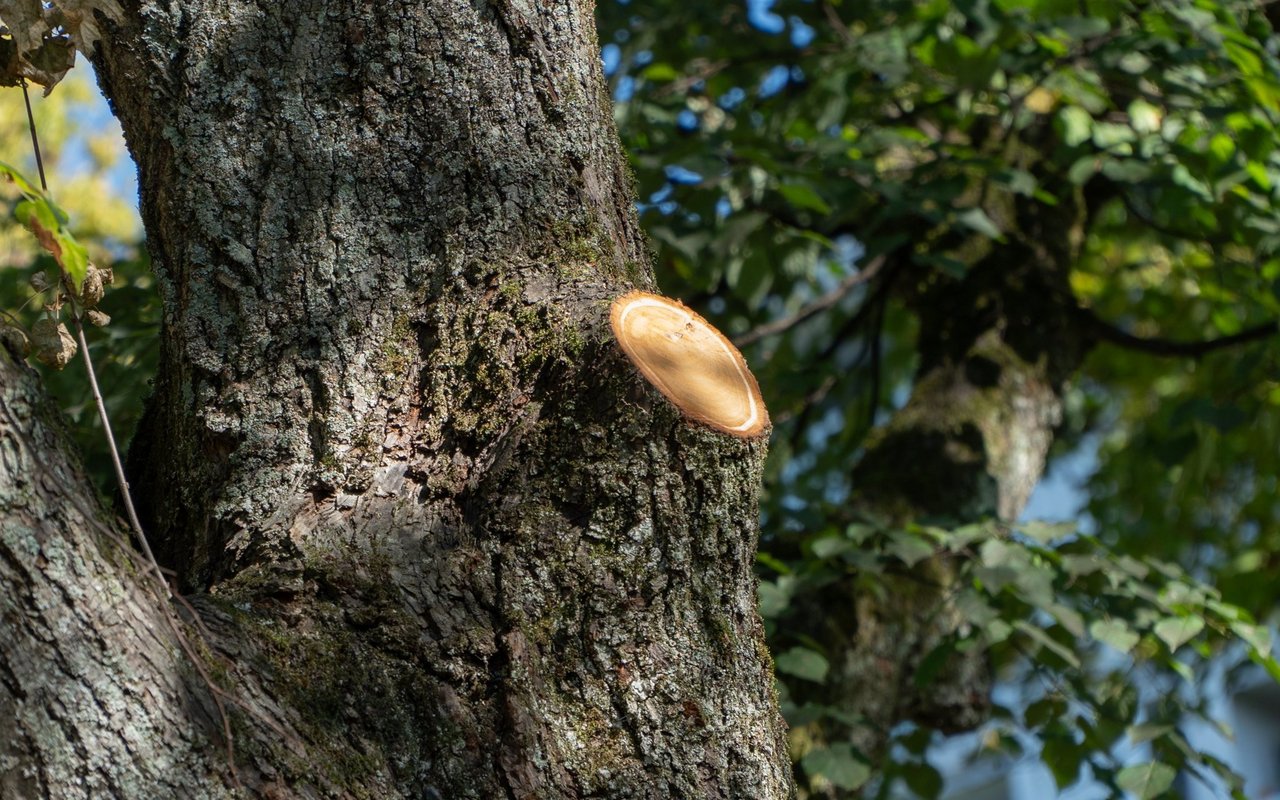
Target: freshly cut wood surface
[(690, 362)]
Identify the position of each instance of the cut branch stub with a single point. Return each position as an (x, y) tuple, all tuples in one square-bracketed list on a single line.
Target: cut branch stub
[(690, 362)]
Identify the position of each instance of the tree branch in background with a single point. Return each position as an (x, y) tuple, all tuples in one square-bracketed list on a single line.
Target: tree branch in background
[(838, 25), (817, 306), (1109, 333)]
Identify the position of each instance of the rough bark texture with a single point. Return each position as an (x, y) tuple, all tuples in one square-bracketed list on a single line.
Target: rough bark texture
[(453, 545), (94, 700)]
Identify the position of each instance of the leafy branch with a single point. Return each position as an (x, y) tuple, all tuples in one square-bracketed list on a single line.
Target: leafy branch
[(1058, 604)]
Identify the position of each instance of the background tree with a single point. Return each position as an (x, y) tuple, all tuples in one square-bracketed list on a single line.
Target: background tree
[(957, 238), (443, 540)]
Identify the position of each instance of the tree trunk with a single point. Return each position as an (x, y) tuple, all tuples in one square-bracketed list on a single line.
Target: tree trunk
[(445, 541)]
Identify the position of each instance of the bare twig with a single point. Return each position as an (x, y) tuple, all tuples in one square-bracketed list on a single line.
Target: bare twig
[(867, 312), (873, 396), (115, 451), (35, 141), (817, 306), (838, 25)]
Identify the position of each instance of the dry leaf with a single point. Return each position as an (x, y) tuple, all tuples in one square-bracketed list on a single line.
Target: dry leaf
[(78, 20), (52, 343), (91, 290), (26, 23), (35, 52)]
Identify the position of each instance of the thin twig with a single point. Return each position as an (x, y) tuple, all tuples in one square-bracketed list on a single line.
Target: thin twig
[(215, 691), (873, 396), (35, 141), (865, 311), (817, 306), (838, 25), (115, 452)]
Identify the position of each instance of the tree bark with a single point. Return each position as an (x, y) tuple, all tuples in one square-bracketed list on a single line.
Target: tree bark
[(445, 541), (94, 701)]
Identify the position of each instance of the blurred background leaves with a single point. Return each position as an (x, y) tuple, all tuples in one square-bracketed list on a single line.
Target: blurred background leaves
[(781, 146)]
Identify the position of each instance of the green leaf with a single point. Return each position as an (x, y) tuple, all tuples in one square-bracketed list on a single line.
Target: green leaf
[(660, 73), (22, 183), (802, 196), (829, 546), (1046, 532), (1068, 618), (1221, 148), (1256, 636), (933, 663), (997, 631), (859, 532), (46, 221), (1182, 177), (1144, 117), (1019, 182), (1107, 135), (923, 779), (976, 219), (1076, 125), (1085, 168), (772, 562), (1129, 170), (974, 608), (75, 258), (1148, 731), (1048, 642), (1009, 564), (36, 211), (838, 763), (1063, 757), (1226, 320), (1134, 63), (1177, 631), (1114, 632), (909, 548), (1132, 566), (803, 663), (1045, 710), (1261, 176), (775, 596), (1081, 565), (1146, 781), (1083, 27)]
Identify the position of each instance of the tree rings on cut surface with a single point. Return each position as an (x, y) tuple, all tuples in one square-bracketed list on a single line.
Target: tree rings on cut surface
[(690, 362)]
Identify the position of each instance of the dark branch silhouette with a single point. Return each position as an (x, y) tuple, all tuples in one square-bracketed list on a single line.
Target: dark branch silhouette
[(821, 304), (1111, 334)]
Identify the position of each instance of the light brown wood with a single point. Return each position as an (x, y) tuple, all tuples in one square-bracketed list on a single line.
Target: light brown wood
[(690, 362)]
